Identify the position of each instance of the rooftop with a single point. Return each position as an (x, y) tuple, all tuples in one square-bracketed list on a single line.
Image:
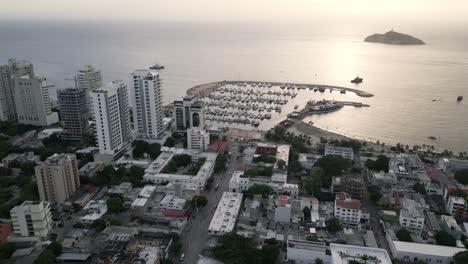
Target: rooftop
[(343, 254), (427, 249), (224, 219), (344, 201), (338, 149), (411, 208)]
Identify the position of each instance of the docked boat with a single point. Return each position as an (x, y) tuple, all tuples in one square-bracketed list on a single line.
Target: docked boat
[(321, 90), (156, 67), (459, 98), (357, 80), (432, 138)]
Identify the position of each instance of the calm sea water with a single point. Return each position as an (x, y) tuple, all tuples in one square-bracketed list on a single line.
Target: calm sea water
[(405, 80)]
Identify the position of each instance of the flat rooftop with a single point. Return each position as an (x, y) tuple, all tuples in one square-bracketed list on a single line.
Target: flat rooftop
[(224, 219), (427, 249), (343, 254)]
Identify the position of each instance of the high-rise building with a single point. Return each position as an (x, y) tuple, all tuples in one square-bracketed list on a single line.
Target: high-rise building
[(198, 139), (74, 112), (146, 99), (112, 117), (57, 178), (31, 219), (88, 78), (189, 113), (32, 101), (7, 100)]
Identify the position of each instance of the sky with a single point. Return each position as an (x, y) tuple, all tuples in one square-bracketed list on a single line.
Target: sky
[(236, 10)]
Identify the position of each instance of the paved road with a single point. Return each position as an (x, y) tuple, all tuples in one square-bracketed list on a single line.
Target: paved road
[(195, 235)]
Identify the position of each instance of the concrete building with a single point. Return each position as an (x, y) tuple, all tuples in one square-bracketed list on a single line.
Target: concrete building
[(57, 178), (94, 211), (240, 183), (198, 139), (344, 254), (121, 190), (409, 168), (146, 97), (154, 172), (74, 113), (225, 217), (172, 202), (412, 252), (452, 165), (347, 210), (350, 184), (112, 117), (32, 101), (189, 113), (456, 206), (346, 153), (283, 210), (90, 169), (411, 216), (450, 225), (31, 219), (305, 252), (89, 79)]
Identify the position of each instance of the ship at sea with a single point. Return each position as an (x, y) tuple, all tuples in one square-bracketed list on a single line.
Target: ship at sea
[(459, 98), (357, 80), (156, 67)]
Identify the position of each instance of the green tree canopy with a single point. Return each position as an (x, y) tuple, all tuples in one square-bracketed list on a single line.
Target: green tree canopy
[(332, 165), (313, 182), (375, 193), (445, 239), (404, 235), (461, 257), (115, 204), (199, 201), (381, 164), (462, 176), (333, 225), (6, 250), (262, 189)]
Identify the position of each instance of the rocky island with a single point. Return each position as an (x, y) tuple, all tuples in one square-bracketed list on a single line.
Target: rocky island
[(394, 38)]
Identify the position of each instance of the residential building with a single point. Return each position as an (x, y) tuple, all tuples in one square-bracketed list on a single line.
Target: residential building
[(189, 113), (306, 252), (89, 79), (341, 254), (456, 206), (347, 210), (121, 190), (350, 184), (411, 252), (90, 169), (7, 99), (20, 158), (225, 217), (57, 178), (112, 117), (239, 183), (198, 139), (146, 96), (31, 219), (155, 174), (452, 165), (283, 210), (346, 153), (450, 225), (409, 168), (32, 101), (94, 211), (411, 216), (172, 202), (74, 113)]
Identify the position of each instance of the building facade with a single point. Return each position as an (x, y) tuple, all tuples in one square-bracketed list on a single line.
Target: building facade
[(306, 252), (346, 153), (31, 219), (57, 178), (74, 112), (349, 184), (347, 210), (412, 216), (456, 206), (32, 101), (146, 96), (189, 113), (112, 117), (198, 139)]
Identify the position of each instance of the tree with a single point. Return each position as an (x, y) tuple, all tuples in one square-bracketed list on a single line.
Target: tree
[(312, 238), (135, 174), (445, 239), (154, 150), (167, 261), (46, 257), (318, 261), (462, 176), (380, 164), (99, 224), (461, 257), (404, 235), (6, 250), (56, 247), (115, 222), (175, 248), (220, 162), (170, 142), (375, 193), (306, 212), (332, 165), (313, 182), (419, 188), (262, 189), (115, 204), (199, 201), (333, 225)]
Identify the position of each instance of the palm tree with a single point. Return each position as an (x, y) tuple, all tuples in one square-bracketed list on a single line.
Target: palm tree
[(318, 261)]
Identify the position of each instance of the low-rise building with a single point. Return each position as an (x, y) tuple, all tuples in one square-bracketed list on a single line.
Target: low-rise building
[(198, 139), (452, 165), (171, 202), (20, 158), (239, 183), (450, 225), (122, 189), (306, 252), (94, 211), (350, 184), (411, 216), (90, 169), (31, 219), (346, 153), (412, 252), (408, 167), (456, 206), (344, 254), (225, 216), (283, 210), (347, 210)]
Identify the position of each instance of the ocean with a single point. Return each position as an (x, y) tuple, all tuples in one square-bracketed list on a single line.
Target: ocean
[(415, 87)]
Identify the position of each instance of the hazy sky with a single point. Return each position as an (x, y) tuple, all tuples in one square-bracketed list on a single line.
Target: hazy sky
[(444, 10)]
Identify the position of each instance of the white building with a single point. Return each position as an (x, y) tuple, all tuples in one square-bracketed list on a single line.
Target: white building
[(198, 139), (57, 178), (346, 153), (240, 183), (411, 216), (412, 252), (452, 165), (32, 101), (31, 219), (344, 254), (408, 167), (154, 172), (94, 211), (89, 79), (456, 206), (347, 210), (225, 218), (112, 117), (171, 202), (305, 252), (146, 96)]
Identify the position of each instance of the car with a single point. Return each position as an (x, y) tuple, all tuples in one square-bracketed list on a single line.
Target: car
[(182, 257)]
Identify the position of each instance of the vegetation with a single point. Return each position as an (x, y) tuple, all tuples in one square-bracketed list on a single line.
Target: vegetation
[(313, 182), (99, 224), (332, 165), (170, 142), (199, 201), (375, 193), (142, 147), (175, 247), (279, 134), (333, 225), (461, 257), (6, 250), (458, 193), (50, 253), (318, 261), (236, 249), (265, 158), (262, 189), (419, 188), (445, 239), (111, 176), (306, 212), (259, 171), (404, 235), (193, 170), (462, 176), (380, 164), (177, 161), (312, 238), (347, 143), (220, 163), (26, 187), (115, 204)]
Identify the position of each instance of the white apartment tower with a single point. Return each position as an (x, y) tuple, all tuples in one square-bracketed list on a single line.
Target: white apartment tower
[(146, 99), (31, 219), (198, 139), (88, 78), (112, 118), (57, 178), (32, 101)]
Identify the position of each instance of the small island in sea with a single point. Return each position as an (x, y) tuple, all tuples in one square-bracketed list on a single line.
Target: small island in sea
[(394, 38)]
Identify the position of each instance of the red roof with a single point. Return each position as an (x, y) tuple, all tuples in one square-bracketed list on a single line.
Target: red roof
[(345, 202), (5, 232), (218, 146), (452, 187), (396, 195), (89, 188), (433, 173), (174, 213), (283, 200)]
